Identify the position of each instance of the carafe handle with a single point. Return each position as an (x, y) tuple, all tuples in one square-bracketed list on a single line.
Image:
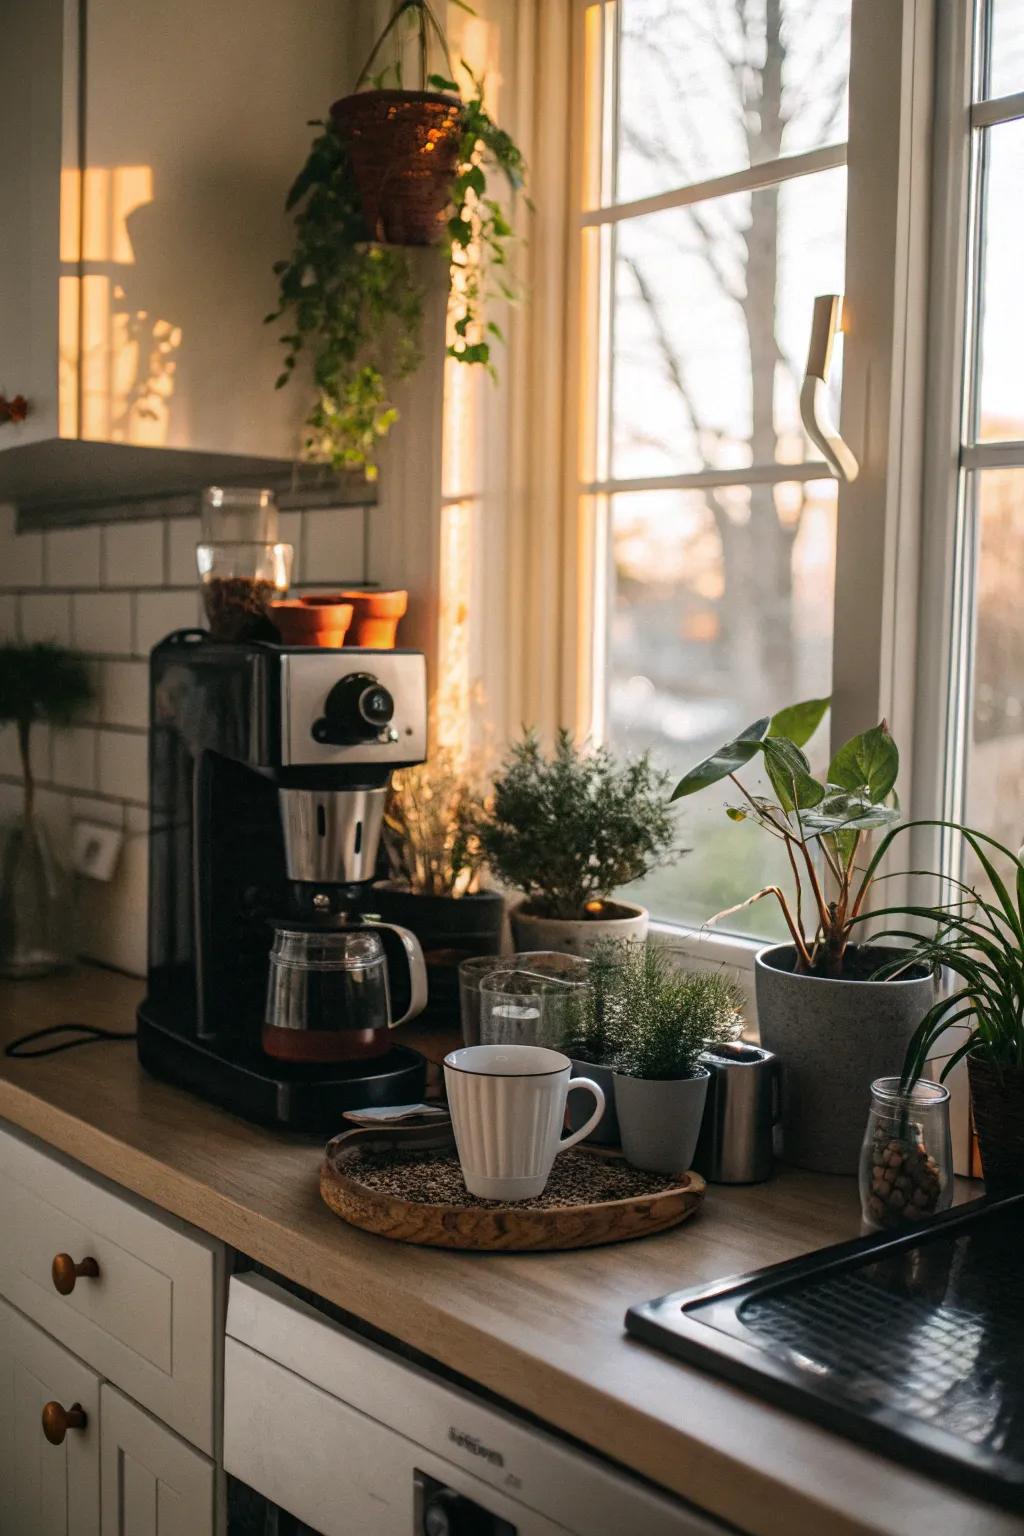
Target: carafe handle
[(417, 970)]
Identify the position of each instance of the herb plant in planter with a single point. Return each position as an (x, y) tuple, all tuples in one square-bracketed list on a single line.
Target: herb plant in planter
[(38, 683), (434, 887), (978, 940), (593, 1025), (836, 1020), (568, 830), (663, 1019), (392, 168)]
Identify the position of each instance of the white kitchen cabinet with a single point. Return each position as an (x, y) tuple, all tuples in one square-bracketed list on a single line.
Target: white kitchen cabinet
[(45, 1490), (149, 150), (152, 1483)]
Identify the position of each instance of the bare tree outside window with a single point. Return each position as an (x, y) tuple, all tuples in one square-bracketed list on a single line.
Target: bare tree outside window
[(723, 596)]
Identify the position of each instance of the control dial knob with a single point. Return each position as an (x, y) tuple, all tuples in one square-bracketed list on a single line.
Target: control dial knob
[(357, 709)]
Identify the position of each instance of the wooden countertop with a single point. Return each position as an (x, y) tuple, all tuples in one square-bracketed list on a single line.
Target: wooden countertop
[(544, 1331)]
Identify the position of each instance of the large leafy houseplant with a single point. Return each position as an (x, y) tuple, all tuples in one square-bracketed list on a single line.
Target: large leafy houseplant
[(823, 1005), (350, 297), (570, 828), (821, 824)]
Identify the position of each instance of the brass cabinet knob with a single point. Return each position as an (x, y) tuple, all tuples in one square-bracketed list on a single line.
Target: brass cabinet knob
[(66, 1272), (57, 1420)]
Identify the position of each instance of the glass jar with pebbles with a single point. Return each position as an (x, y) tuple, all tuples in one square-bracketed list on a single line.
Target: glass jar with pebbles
[(906, 1161)]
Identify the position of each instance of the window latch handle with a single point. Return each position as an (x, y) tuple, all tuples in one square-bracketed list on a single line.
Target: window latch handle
[(815, 407)]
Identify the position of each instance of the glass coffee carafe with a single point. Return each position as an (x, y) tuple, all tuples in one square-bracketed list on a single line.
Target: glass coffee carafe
[(329, 994)]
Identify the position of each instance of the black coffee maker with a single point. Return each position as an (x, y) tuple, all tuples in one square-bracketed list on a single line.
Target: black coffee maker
[(269, 768)]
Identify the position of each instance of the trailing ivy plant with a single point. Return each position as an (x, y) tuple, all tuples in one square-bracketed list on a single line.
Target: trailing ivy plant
[(354, 305)]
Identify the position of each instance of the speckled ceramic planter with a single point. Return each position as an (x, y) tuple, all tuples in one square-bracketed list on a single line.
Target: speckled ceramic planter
[(660, 1119), (622, 920), (833, 1038)]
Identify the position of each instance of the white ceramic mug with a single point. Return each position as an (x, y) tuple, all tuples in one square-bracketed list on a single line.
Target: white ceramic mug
[(507, 1105)]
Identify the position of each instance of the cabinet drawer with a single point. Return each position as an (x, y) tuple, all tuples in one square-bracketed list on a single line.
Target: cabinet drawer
[(45, 1490), (149, 1319), (152, 1483)]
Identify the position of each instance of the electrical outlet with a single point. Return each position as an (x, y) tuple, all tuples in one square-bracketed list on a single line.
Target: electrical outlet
[(95, 849)]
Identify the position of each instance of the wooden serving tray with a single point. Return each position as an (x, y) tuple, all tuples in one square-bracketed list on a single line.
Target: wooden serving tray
[(404, 1182)]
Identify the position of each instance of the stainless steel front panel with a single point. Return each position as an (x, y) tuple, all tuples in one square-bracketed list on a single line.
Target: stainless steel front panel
[(331, 836), (306, 680)]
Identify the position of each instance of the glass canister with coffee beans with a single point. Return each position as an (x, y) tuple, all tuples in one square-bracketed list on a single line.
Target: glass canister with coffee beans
[(906, 1160)]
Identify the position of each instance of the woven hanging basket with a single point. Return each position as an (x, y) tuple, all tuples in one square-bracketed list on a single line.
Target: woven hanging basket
[(404, 149), (997, 1102)]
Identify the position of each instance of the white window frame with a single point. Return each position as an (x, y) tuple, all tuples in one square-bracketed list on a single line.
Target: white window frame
[(889, 159)]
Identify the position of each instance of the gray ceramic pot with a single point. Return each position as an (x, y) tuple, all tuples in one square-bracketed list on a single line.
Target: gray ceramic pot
[(834, 1038), (659, 1119), (606, 1132)]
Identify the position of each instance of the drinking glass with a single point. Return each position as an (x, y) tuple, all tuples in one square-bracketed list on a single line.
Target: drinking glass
[(544, 963), (525, 1007)]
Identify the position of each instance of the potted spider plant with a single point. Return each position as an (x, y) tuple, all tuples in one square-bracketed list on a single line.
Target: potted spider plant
[(977, 940), (38, 683), (568, 830), (434, 886), (662, 1019), (825, 1005), (392, 167)]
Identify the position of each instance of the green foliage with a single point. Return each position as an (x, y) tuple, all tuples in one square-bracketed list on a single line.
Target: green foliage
[(40, 681), (575, 826), (644, 1016), (979, 940), (354, 305), (812, 819)]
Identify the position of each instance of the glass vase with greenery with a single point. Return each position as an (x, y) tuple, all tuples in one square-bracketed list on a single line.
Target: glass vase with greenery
[(571, 827), (350, 296), (39, 683)]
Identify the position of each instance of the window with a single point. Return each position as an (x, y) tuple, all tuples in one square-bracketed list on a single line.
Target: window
[(714, 210)]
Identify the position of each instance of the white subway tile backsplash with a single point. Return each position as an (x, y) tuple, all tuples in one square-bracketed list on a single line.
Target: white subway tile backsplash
[(157, 614), (45, 616), (8, 616), (21, 554), (183, 535), (333, 549), (73, 758), (124, 693), (54, 810), (10, 760), (73, 557), (102, 622), (290, 531), (123, 765), (136, 819), (109, 813), (112, 914), (133, 554)]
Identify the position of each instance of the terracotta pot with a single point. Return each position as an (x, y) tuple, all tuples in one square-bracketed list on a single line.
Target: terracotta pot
[(997, 1103), (578, 935), (303, 623), (375, 615), (404, 151)]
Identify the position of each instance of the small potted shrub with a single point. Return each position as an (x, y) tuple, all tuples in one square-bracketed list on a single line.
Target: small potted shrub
[(664, 1019), (835, 1013), (434, 886), (44, 683), (569, 830), (978, 940), (392, 167)]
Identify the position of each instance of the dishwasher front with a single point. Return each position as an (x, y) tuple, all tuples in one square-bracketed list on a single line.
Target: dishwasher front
[(352, 1439)]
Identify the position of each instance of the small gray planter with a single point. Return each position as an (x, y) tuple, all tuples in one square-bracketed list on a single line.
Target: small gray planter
[(577, 935), (606, 1132), (834, 1038), (659, 1119)]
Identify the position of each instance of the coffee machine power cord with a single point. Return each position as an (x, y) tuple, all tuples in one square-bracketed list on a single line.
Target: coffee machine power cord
[(83, 1034)]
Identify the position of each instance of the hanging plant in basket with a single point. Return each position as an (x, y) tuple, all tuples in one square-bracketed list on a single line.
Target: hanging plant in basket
[(391, 168)]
